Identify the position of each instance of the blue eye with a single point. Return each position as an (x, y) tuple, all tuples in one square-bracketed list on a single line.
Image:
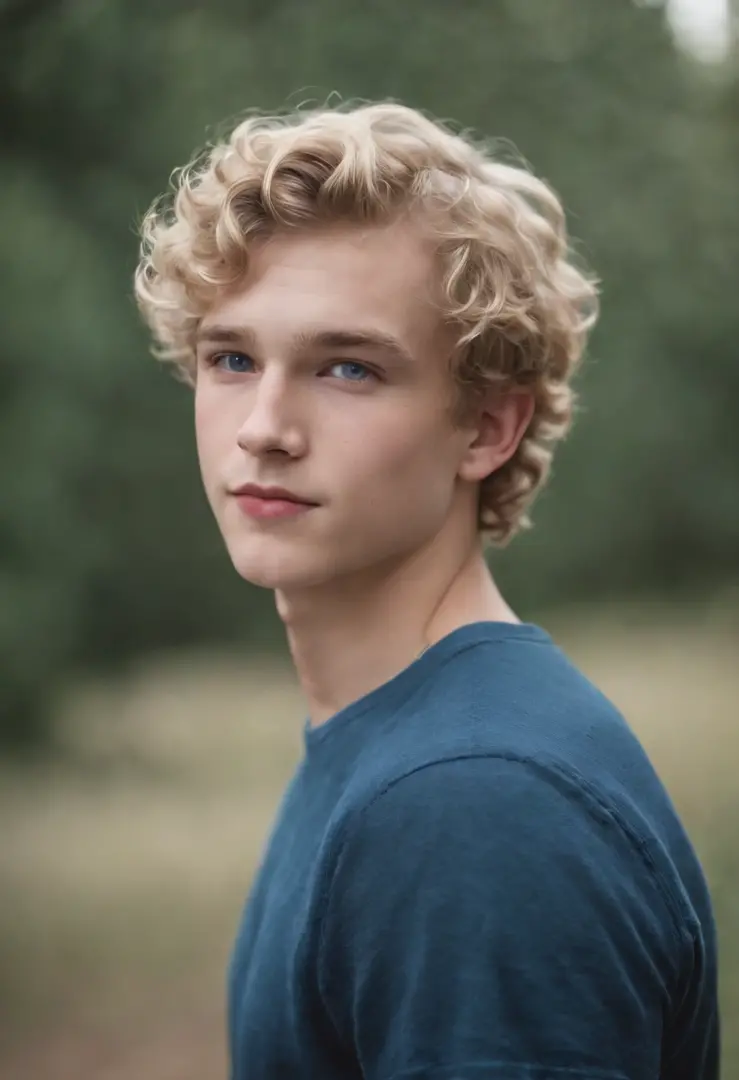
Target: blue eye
[(233, 362), (353, 370)]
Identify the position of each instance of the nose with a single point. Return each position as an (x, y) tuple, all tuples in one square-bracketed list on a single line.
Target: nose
[(270, 425)]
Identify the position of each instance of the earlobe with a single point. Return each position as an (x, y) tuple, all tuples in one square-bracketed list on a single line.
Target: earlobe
[(502, 421)]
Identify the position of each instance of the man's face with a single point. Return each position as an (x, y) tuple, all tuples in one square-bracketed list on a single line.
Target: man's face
[(327, 375)]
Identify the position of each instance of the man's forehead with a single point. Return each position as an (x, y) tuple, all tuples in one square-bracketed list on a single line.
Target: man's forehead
[(331, 286), (376, 253)]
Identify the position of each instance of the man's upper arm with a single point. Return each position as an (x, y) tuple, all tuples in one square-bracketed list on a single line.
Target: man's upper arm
[(487, 919)]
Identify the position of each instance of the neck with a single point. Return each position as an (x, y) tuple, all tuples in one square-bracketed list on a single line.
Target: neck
[(350, 636)]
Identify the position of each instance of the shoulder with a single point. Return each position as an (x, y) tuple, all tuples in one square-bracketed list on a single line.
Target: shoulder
[(505, 828), (510, 702), (536, 795), (503, 872)]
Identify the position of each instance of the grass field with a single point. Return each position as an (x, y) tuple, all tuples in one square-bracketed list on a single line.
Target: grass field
[(124, 863)]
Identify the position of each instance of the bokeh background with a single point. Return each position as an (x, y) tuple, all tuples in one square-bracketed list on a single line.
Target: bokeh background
[(148, 717)]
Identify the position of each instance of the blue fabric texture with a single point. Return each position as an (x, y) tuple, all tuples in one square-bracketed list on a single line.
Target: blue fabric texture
[(475, 872)]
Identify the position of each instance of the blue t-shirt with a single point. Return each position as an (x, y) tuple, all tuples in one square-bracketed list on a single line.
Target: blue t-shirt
[(476, 873)]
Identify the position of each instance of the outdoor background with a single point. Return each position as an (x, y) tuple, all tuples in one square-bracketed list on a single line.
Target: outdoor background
[(148, 719)]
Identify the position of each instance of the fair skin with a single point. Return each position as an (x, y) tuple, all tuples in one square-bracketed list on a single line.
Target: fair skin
[(388, 558)]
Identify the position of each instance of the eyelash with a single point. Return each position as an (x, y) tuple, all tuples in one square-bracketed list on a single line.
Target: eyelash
[(213, 361)]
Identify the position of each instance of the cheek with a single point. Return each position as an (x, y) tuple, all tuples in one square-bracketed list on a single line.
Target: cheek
[(213, 451), (409, 456), (203, 437), (212, 428)]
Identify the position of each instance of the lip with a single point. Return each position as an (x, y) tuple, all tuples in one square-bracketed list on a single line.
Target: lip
[(267, 493), (269, 502)]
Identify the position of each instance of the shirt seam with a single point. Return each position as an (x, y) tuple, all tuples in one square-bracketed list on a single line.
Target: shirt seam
[(548, 770)]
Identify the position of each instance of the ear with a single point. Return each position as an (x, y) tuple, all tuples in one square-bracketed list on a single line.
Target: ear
[(500, 422)]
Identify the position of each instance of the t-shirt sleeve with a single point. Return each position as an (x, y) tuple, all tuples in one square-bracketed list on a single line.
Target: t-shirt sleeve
[(487, 919)]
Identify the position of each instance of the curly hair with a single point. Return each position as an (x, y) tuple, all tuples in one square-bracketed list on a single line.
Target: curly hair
[(518, 303)]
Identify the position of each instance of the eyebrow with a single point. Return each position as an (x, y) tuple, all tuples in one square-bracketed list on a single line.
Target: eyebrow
[(321, 339)]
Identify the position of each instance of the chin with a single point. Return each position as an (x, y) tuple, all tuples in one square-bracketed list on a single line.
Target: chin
[(285, 571)]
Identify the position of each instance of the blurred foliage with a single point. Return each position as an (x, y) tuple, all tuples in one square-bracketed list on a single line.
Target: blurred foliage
[(106, 546)]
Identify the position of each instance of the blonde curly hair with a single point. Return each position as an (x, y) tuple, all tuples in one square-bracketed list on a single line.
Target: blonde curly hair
[(520, 306)]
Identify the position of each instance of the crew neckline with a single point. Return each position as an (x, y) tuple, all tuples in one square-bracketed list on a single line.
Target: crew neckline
[(389, 695)]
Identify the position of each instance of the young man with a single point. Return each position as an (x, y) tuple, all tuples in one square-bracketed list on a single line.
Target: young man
[(475, 871)]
